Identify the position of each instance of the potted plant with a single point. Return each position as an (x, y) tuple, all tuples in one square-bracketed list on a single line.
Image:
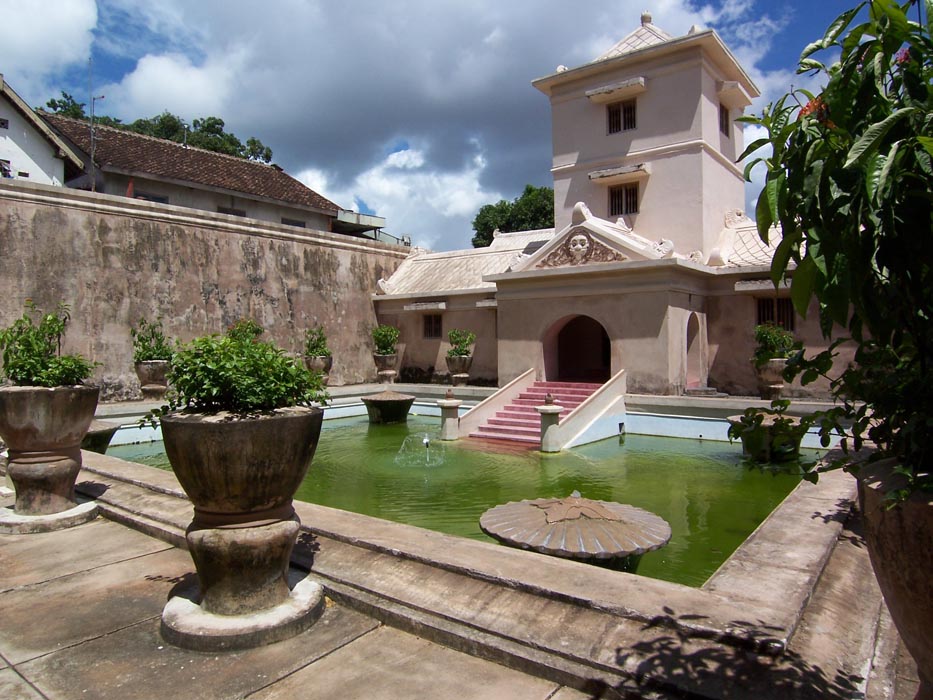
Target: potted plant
[(769, 435), (317, 355), (459, 356), (240, 430), (45, 414), (152, 352), (385, 339), (774, 345), (848, 180)]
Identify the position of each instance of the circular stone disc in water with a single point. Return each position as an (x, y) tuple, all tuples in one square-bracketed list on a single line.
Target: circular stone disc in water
[(577, 528)]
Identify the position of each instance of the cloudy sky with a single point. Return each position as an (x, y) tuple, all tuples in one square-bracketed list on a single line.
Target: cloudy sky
[(419, 110)]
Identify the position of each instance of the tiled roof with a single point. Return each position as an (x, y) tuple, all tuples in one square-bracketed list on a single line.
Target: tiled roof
[(134, 153), (436, 273), (646, 35)]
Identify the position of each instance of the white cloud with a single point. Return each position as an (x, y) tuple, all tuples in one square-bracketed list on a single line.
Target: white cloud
[(434, 208), (172, 82), (39, 41)]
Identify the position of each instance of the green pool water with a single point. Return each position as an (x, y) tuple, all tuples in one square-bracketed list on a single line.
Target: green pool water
[(711, 499)]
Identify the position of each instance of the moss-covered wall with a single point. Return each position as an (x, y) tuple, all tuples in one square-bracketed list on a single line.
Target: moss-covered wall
[(115, 260)]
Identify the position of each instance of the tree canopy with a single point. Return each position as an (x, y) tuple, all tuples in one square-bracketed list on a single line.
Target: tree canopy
[(533, 209), (207, 133)]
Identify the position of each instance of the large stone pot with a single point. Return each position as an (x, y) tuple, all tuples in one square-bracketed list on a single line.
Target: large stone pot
[(771, 378), (459, 364), (43, 428), (152, 377), (900, 543), (385, 363), (320, 363), (241, 475)]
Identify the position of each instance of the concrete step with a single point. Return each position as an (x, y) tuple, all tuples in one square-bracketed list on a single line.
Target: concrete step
[(483, 434), (514, 419), (588, 386), (509, 430)]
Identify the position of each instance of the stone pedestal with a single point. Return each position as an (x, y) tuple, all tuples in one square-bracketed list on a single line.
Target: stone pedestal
[(550, 417), (244, 598), (13, 523), (459, 379), (450, 418), (387, 376), (388, 406)]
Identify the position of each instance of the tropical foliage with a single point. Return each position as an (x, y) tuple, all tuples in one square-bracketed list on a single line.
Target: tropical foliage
[(849, 182), (32, 351)]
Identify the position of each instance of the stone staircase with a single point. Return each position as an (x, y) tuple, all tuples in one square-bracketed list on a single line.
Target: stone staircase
[(520, 422)]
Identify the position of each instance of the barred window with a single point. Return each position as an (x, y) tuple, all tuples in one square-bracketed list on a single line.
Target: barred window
[(432, 326), (623, 199), (621, 116), (777, 311)]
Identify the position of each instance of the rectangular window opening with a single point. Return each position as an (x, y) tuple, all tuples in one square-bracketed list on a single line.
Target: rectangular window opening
[(231, 211), (724, 120), (780, 312), (147, 197), (4, 123), (293, 222), (621, 116), (432, 326), (623, 199)]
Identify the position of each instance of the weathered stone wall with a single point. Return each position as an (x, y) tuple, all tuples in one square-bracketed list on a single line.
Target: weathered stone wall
[(114, 260)]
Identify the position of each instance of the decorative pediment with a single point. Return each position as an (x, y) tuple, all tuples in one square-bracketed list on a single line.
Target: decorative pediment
[(579, 247)]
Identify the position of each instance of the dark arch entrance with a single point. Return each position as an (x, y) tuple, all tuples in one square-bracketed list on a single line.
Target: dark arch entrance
[(582, 351)]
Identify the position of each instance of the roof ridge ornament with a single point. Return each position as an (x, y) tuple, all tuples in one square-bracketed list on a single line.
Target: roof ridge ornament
[(645, 18), (581, 213)]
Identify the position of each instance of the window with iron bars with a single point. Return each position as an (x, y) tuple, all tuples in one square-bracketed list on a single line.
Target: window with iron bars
[(780, 312), (623, 199), (432, 326), (621, 116)]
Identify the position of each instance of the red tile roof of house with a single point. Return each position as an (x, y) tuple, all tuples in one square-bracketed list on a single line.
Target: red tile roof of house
[(134, 153)]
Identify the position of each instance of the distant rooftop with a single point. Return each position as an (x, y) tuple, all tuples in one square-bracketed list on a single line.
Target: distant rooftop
[(460, 270), (135, 154)]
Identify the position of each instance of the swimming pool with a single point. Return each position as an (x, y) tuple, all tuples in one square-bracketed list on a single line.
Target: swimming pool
[(711, 499)]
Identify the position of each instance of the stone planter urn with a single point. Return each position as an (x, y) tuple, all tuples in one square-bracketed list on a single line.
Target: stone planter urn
[(43, 428), (774, 440), (771, 379), (319, 363), (385, 363), (241, 475), (152, 378), (459, 364), (899, 543)]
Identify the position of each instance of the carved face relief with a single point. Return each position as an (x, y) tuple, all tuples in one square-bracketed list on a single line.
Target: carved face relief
[(578, 245)]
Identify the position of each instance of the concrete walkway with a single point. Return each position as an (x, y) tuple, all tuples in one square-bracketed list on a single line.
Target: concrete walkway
[(79, 618)]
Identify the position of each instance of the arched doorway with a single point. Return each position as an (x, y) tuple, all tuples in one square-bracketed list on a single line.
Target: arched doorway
[(577, 350), (694, 378)]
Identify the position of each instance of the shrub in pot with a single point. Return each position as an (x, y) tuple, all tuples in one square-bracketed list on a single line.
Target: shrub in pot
[(849, 180), (45, 412), (240, 430), (460, 354), (317, 355), (769, 435), (774, 345), (152, 351), (385, 339)]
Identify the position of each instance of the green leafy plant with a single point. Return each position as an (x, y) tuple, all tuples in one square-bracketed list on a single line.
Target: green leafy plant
[(849, 181), (771, 435), (237, 373), (773, 343), (245, 329), (149, 341), (385, 338), (32, 351), (316, 342), (461, 342)]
